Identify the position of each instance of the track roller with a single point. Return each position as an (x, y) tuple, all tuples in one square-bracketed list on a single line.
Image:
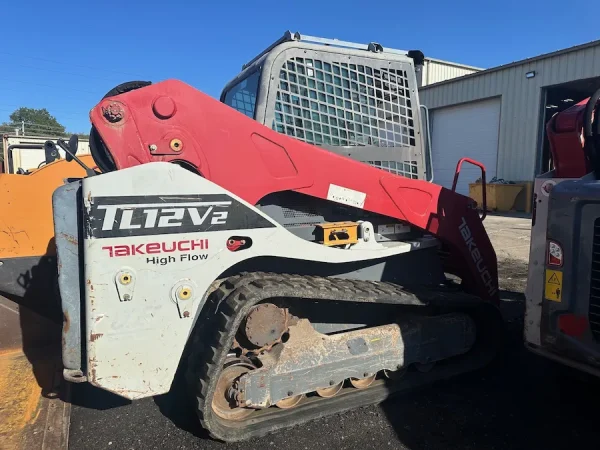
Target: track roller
[(330, 391), (363, 383)]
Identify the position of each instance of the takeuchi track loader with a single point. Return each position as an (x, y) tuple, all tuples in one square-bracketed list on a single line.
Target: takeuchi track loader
[(290, 280), (562, 315)]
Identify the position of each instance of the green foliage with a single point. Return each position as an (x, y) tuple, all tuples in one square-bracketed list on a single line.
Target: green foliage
[(35, 122)]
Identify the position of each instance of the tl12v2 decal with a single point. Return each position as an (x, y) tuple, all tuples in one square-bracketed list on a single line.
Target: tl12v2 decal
[(111, 217)]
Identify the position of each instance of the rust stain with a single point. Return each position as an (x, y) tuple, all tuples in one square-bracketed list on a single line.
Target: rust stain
[(95, 336), (66, 322), (92, 369), (69, 238)]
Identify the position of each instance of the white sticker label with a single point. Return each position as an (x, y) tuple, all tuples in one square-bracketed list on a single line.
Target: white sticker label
[(346, 196), (547, 187)]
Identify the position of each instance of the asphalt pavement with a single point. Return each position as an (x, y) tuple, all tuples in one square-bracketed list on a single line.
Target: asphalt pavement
[(520, 402)]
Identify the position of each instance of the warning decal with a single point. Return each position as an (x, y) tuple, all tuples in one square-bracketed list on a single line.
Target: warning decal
[(553, 290)]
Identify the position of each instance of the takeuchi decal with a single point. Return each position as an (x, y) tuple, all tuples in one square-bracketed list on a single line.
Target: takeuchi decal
[(188, 250), (156, 247)]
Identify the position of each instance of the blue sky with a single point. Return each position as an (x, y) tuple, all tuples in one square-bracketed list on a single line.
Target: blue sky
[(66, 55)]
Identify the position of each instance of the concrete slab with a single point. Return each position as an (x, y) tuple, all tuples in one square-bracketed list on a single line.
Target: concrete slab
[(510, 236)]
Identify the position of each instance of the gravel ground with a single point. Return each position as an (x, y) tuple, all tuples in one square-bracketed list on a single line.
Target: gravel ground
[(520, 402)]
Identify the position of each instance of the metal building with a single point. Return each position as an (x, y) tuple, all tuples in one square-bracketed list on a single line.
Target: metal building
[(436, 70), (498, 115)]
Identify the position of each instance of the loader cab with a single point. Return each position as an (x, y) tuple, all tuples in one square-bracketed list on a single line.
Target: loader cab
[(356, 100)]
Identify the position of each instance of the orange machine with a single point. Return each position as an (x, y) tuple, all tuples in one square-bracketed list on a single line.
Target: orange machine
[(30, 331), (27, 251)]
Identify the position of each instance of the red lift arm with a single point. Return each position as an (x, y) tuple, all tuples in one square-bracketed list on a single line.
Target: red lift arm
[(171, 121)]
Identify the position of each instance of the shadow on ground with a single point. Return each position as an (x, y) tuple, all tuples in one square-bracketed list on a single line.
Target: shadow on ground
[(521, 401)]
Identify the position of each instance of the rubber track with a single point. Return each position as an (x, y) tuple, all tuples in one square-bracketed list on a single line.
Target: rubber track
[(231, 302)]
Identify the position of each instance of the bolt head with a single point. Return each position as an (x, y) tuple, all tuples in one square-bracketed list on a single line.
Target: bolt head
[(113, 112), (184, 293), (331, 382), (290, 393), (153, 147)]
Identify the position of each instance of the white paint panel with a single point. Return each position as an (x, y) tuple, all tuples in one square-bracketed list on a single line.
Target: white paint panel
[(134, 346), (465, 130)]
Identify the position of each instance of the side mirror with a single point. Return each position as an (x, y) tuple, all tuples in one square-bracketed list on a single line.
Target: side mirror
[(73, 144), (70, 150)]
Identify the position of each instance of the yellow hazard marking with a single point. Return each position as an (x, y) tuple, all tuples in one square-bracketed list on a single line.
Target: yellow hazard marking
[(553, 290)]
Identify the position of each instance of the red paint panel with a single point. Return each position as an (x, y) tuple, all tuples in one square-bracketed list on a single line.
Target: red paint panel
[(572, 325), (274, 157)]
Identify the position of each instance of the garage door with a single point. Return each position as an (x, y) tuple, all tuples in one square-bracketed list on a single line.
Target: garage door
[(465, 130)]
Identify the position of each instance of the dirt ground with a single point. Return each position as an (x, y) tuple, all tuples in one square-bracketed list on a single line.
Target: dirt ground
[(510, 237)]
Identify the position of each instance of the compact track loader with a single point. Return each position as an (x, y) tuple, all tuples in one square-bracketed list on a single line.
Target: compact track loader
[(562, 316), (290, 280)]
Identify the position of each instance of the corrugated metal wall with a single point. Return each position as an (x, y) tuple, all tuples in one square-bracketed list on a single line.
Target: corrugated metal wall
[(521, 102), (436, 71)]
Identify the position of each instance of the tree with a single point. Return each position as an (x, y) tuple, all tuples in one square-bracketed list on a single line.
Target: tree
[(37, 122)]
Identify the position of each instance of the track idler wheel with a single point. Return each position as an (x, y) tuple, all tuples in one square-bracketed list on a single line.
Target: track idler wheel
[(224, 402), (363, 383)]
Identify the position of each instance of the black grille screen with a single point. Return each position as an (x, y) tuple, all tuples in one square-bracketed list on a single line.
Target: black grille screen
[(594, 310)]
